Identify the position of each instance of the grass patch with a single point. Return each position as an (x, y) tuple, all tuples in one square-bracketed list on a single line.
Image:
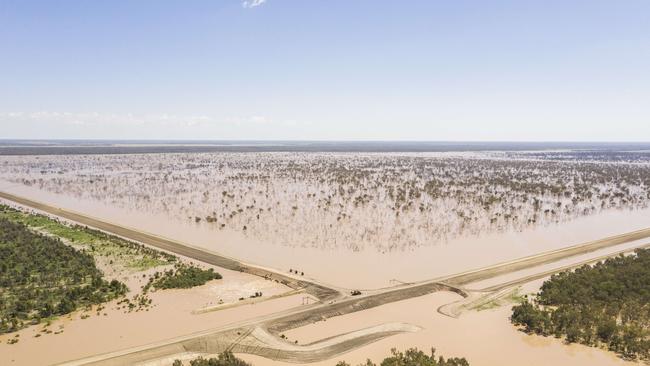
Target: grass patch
[(41, 277), (122, 252), (511, 297)]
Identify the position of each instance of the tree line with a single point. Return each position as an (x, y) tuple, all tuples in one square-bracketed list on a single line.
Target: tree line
[(606, 305), (41, 277), (410, 357), (181, 276)]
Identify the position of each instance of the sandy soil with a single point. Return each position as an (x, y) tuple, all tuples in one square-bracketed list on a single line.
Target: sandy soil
[(172, 315)]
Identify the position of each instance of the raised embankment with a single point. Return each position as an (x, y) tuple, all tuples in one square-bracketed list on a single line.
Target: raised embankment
[(465, 278), (321, 292)]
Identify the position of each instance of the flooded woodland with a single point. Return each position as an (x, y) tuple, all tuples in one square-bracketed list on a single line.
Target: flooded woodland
[(390, 216), (363, 221)]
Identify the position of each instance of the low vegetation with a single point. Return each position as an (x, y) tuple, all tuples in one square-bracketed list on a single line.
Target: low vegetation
[(606, 305), (491, 302), (41, 277), (49, 268), (181, 276), (126, 253), (411, 357), (224, 359), (414, 357)]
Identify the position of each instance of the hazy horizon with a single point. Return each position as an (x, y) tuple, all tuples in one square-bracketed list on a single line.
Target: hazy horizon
[(261, 140), (76, 147)]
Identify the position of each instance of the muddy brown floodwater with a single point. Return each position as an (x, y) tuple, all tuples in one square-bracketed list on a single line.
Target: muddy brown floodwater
[(172, 314), (351, 225), (366, 269), (485, 338)]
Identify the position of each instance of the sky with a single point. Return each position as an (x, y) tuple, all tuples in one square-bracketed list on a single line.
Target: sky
[(554, 70)]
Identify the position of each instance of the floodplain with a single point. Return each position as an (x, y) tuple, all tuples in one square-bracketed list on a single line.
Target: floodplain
[(392, 238)]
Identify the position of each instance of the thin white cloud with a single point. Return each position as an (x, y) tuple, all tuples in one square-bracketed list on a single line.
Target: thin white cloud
[(259, 119), (249, 120), (249, 4), (65, 124), (105, 125), (96, 119)]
